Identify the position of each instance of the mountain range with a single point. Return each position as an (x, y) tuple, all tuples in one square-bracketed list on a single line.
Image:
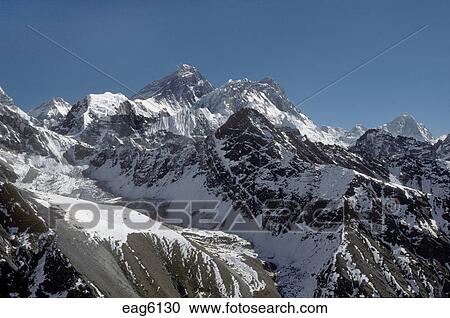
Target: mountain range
[(299, 210)]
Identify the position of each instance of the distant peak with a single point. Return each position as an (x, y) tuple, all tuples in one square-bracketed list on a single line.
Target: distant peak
[(186, 67), (2, 92), (359, 128), (58, 100), (406, 125), (51, 112), (270, 81), (54, 101), (406, 115), (186, 70), (183, 87)]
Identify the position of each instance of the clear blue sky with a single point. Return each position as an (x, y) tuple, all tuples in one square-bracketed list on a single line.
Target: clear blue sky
[(303, 45)]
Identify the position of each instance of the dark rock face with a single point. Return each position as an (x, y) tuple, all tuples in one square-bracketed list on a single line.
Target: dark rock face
[(31, 265), (72, 122), (170, 155), (383, 145)]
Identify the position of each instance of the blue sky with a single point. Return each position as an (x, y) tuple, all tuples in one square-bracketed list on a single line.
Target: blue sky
[(304, 45)]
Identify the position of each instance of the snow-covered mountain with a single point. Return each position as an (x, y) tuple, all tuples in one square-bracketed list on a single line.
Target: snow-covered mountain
[(404, 125), (186, 103), (298, 210), (249, 160), (41, 259), (407, 126), (51, 113), (20, 133), (265, 96), (176, 91)]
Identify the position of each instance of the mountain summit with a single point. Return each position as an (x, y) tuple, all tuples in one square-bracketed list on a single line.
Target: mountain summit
[(183, 87), (407, 126), (52, 112)]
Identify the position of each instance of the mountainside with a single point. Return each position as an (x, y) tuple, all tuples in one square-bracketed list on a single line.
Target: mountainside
[(416, 164), (194, 191)]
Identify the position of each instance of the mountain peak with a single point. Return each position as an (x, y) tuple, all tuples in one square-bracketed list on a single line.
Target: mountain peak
[(270, 81), (406, 125), (181, 88), (2, 92), (57, 99), (51, 112), (241, 93), (186, 69)]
